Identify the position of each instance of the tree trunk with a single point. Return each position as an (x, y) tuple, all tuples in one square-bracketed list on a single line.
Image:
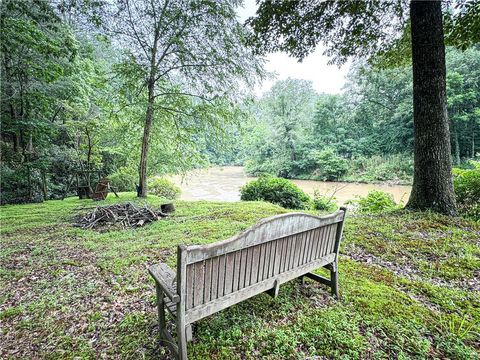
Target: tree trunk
[(456, 144), (44, 185), (142, 182), (473, 138), (432, 182)]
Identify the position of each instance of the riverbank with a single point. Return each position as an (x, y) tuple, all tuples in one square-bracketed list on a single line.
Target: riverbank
[(223, 184), (409, 284)]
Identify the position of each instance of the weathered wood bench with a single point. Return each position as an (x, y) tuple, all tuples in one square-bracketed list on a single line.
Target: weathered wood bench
[(215, 276)]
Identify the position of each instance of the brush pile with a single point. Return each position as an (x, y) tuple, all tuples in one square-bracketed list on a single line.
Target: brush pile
[(126, 214)]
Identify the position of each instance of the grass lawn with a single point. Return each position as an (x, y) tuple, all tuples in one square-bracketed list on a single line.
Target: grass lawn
[(410, 285)]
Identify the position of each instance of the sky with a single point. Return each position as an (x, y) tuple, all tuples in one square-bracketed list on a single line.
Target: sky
[(325, 78)]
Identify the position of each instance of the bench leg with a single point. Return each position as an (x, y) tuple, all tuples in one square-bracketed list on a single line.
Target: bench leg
[(182, 333), (182, 343), (334, 280), (162, 324), (189, 332), (273, 292)]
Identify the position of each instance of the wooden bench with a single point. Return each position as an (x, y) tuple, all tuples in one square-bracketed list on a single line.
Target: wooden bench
[(215, 276)]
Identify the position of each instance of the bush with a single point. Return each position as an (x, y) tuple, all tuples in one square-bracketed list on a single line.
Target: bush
[(277, 191), (397, 168), (330, 166), (163, 188), (14, 187), (375, 202), (323, 203), (123, 180), (467, 191)]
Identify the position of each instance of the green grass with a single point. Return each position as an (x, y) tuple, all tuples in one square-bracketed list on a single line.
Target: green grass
[(409, 285)]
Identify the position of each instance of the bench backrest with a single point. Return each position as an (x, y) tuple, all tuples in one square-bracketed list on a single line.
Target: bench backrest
[(214, 273)]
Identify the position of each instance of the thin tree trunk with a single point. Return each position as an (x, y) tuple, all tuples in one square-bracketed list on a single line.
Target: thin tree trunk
[(432, 182), (142, 182), (456, 144), (473, 139), (44, 185)]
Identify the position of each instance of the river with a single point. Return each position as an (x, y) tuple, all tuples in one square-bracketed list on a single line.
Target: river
[(223, 184)]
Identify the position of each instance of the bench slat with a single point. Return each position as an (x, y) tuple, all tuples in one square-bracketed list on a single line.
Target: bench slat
[(243, 268), (198, 283), (319, 248), (312, 242), (229, 266), (255, 264), (171, 307), (214, 279), (221, 276), (189, 286), (208, 280), (323, 244), (236, 270)]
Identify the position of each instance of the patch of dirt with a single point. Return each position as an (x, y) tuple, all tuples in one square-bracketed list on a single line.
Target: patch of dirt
[(359, 254), (406, 269)]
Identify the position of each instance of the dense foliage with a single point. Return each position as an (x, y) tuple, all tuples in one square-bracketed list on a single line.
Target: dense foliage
[(363, 134), (276, 191), (467, 190), (75, 100), (375, 202), (323, 203), (163, 188)]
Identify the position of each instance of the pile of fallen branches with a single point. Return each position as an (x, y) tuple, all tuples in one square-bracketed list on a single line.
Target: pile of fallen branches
[(126, 214)]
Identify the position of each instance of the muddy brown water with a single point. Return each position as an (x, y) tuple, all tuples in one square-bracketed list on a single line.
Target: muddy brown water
[(223, 184)]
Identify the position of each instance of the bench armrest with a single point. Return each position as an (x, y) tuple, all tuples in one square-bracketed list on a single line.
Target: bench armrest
[(165, 278)]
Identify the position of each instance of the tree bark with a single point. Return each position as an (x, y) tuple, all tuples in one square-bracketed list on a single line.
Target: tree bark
[(432, 182), (142, 182)]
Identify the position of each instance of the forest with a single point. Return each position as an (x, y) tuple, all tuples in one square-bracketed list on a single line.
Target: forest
[(364, 134), (104, 103), (76, 93), (75, 96)]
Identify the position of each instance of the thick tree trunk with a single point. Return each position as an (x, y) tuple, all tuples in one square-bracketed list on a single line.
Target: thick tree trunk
[(432, 182), (142, 182)]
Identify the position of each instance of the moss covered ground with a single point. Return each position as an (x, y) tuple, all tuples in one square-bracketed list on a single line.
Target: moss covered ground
[(410, 285)]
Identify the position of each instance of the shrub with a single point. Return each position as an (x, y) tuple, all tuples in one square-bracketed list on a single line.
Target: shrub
[(163, 188), (323, 203), (330, 166), (14, 187), (277, 191), (398, 168), (467, 191), (123, 180), (375, 202)]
